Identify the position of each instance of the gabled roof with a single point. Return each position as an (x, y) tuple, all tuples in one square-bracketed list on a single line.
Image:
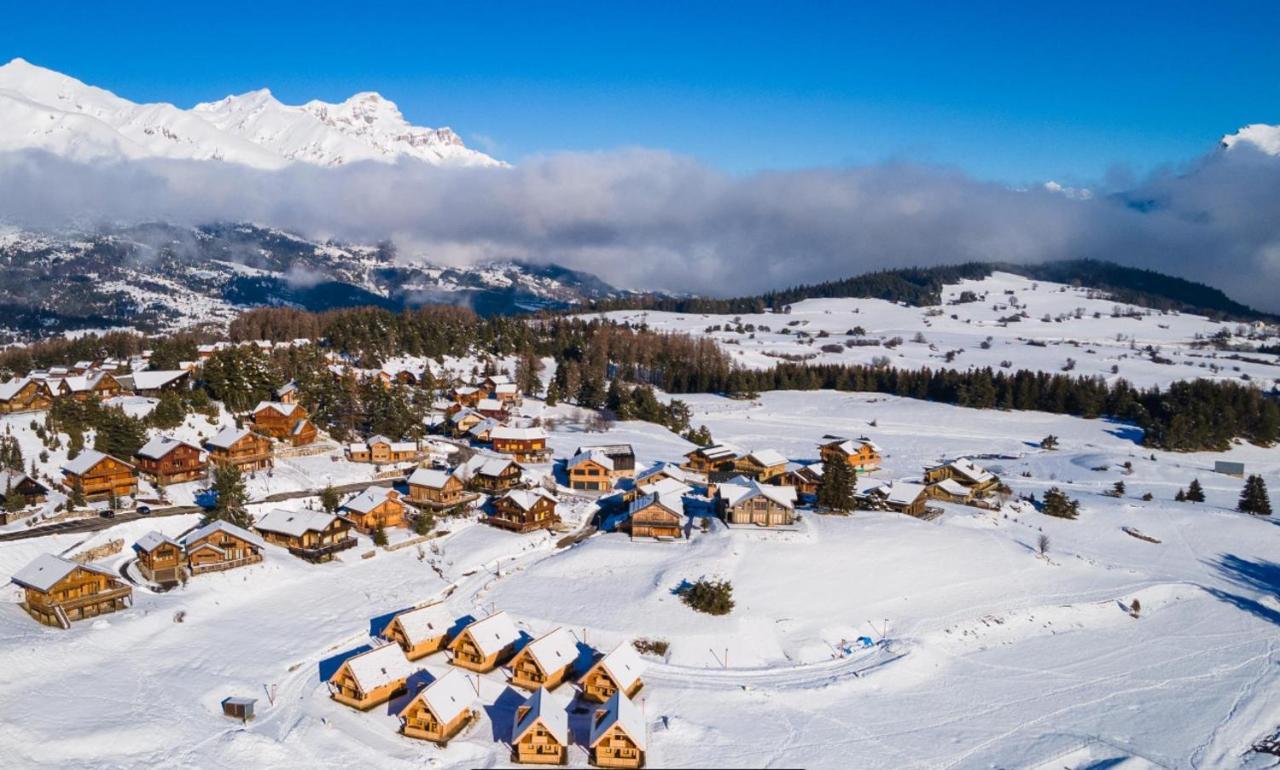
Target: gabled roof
[(506, 387), (294, 523), (971, 471), (952, 487), (10, 479), (218, 525), (379, 666), (10, 389), (673, 504), (621, 711), (624, 665), (47, 569), (767, 458), (716, 452), (609, 450), (152, 540), (286, 388), (300, 426), (490, 405), (499, 379), (227, 437), (736, 492), (665, 487), (593, 455), (517, 434), (489, 466), (663, 469), (553, 651), (284, 409), (429, 478), (153, 379), (904, 492), (448, 696), (493, 633), (160, 446), (853, 445), (550, 709), (86, 460), (528, 498), (425, 623), (368, 500)]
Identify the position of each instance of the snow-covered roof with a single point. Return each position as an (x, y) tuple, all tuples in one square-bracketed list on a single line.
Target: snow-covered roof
[(294, 523), (448, 696), (10, 479), (671, 503), (555, 650), (429, 478), (10, 389), (767, 457), (854, 445), (47, 569), (736, 492), (369, 499), (152, 540), (493, 633), (665, 487), (551, 709), (593, 455), (499, 379), (300, 426), (86, 460), (904, 492), (716, 451), (518, 434), (218, 525), (624, 665), (505, 387), (663, 469), (610, 450), (380, 666), (284, 409), (490, 405), (973, 472), (426, 622), (153, 379), (952, 487), (489, 466), (227, 437), (527, 498), (619, 710), (160, 446), (286, 389), (378, 439)]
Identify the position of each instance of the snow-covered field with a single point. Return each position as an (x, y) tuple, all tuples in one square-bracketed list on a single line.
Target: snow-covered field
[(1080, 335), (993, 656)]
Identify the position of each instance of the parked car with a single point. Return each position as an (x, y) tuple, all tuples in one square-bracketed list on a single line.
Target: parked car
[(108, 514), (144, 510)]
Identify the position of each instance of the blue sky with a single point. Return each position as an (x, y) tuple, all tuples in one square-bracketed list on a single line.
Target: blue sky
[(999, 90)]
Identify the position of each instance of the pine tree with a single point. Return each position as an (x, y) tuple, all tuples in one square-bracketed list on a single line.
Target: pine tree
[(1057, 504), (169, 412), (1180, 497), (1049, 442), (553, 393), (380, 536), (1195, 493), (1254, 498), (1117, 489), (228, 485), (835, 493), (330, 500), (423, 523)]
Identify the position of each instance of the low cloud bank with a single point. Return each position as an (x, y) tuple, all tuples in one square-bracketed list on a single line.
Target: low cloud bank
[(653, 220)]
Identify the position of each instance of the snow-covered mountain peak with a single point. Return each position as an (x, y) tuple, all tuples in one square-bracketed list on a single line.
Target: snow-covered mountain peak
[(46, 110), (1262, 136)]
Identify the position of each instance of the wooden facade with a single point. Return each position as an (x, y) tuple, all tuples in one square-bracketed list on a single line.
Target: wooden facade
[(58, 591), (375, 507), (485, 644), (25, 395), (524, 510), (711, 459), (441, 710), (246, 450), (436, 488), (541, 732), (546, 662), (592, 473), (100, 477), (370, 678), (652, 516), (421, 632), (759, 504), (382, 450), (315, 537), (618, 671), (160, 559), (523, 444), (220, 546), (861, 454), (617, 737), (168, 462), (287, 423), (762, 466)]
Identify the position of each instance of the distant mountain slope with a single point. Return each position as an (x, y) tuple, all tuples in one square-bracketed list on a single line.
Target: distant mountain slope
[(46, 110), (923, 286), (161, 277)]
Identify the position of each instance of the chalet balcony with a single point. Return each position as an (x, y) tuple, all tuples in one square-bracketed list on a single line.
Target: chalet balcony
[(323, 552), (102, 597), (225, 565)]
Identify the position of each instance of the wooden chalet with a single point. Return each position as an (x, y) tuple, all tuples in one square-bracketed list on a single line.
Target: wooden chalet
[(526, 445), (18, 490), (59, 591), (284, 422), (153, 382), (747, 501), (371, 678), (436, 488), (466, 395), (618, 671), (540, 735), (709, 459), (311, 535), (422, 631), (160, 558), (221, 545), (900, 496), (950, 491), (590, 471), (660, 472), (492, 474), (99, 385), (656, 516), (546, 661), (485, 644), (806, 479), (763, 465), (462, 421), (862, 454), (967, 473), (618, 734), (493, 409), (373, 508), (380, 449), (491, 384), (524, 510), (288, 393), (166, 460), (506, 392), (97, 476), (25, 394), (441, 709), (240, 447)]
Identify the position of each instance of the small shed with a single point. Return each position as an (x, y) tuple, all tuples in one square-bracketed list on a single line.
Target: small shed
[(238, 707), (1229, 468)]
